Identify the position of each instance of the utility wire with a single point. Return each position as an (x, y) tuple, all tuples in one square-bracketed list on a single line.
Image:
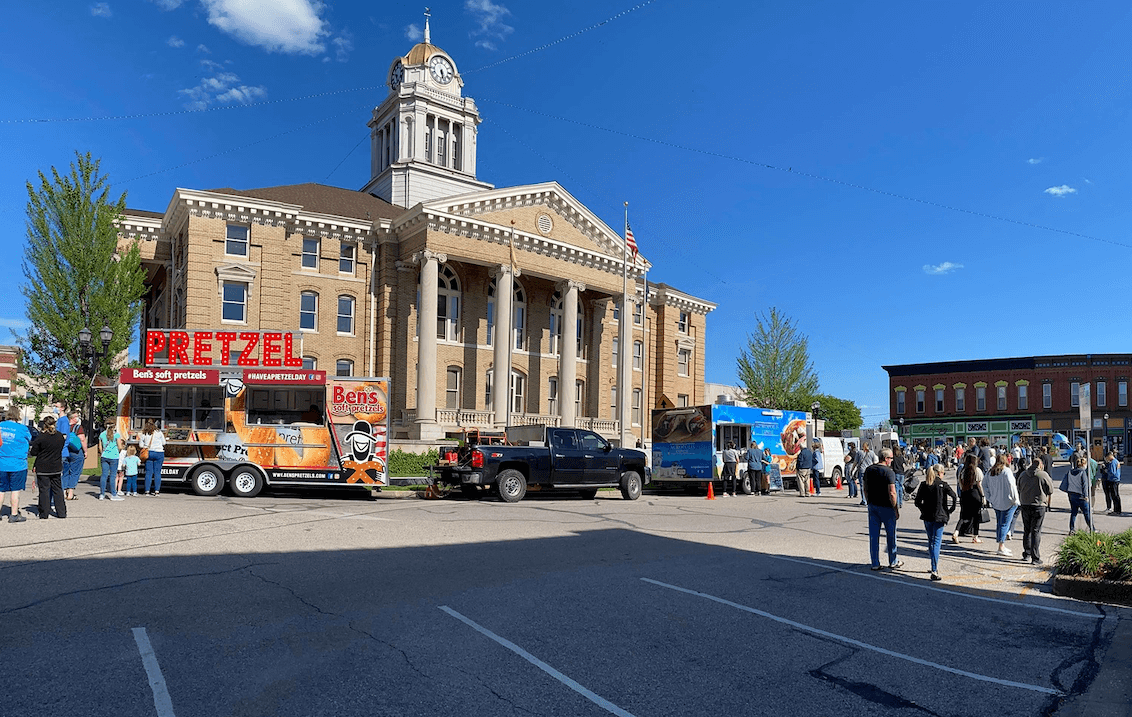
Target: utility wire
[(363, 139)]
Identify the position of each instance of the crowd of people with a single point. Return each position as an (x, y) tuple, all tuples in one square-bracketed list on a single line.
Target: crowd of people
[(58, 446)]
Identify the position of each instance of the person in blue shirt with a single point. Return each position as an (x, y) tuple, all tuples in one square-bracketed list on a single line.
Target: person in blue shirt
[(15, 441), (1112, 483)]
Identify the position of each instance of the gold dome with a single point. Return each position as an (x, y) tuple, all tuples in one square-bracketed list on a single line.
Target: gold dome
[(421, 53)]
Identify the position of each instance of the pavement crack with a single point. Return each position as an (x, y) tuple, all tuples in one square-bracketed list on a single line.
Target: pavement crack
[(294, 594), (498, 696), (404, 655), (1090, 667)]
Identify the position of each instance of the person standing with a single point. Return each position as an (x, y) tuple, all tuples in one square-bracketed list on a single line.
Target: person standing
[(1002, 494), (76, 457), (986, 456), (152, 439), (15, 439), (932, 500), (851, 470), (865, 458), (767, 460), (730, 466), (971, 498), (880, 493), (1112, 484), (754, 458), (818, 469), (1076, 484), (48, 451), (1035, 487), (110, 443), (898, 468), (803, 466)]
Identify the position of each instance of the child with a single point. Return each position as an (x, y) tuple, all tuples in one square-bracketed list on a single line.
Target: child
[(131, 463)]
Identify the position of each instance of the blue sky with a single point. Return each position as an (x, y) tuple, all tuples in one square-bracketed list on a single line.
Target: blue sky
[(849, 163)]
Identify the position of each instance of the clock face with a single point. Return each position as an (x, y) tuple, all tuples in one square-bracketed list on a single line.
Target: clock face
[(441, 69), (396, 76)]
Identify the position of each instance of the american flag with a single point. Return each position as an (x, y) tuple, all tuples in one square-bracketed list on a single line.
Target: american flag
[(629, 240)]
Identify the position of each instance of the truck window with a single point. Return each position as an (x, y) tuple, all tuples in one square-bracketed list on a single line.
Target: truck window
[(283, 405), (564, 441), (591, 441)]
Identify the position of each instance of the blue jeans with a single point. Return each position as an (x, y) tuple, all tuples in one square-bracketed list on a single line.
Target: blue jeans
[(935, 540), (109, 473), (153, 470), (1077, 503), (887, 516), (72, 472), (1005, 520), (851, 480)]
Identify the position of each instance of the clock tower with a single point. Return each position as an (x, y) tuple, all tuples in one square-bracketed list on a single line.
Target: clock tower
[(423, 136)]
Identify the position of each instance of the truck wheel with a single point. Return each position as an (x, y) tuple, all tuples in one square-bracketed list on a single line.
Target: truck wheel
[(246, 483), (470, 491), (207, 480), (588, 494), (745, 484), (512, 486), (833, 479), (630, 485)]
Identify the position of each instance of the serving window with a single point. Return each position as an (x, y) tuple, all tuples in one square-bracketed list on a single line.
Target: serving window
[(284, 405), (178, 408)]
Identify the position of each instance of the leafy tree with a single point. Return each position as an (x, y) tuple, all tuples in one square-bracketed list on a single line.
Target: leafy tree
[(774, 369), (75, 276), (840, 414)]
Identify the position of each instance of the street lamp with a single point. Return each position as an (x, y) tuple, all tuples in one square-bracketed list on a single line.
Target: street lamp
[(89, 353), (1106, 431), (814, 408)]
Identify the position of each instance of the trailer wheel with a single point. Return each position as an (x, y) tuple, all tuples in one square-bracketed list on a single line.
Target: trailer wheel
[(630, 485), (833, 479), (511, 485), (588, 494), (745, 484), (207, 480), (246, 483)]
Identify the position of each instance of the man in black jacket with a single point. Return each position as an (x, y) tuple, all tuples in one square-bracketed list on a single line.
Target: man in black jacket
[(1035, 488)]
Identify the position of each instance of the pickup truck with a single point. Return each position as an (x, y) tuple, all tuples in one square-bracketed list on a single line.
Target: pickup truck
[(546, 458)]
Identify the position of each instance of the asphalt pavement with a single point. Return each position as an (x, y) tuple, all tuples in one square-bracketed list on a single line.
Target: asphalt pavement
[(333, 603)]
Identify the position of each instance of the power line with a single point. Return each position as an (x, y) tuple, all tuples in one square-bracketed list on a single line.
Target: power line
[(352, 150)]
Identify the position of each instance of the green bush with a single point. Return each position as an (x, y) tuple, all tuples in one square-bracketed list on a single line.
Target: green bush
[(406, 465), (1098, 555)]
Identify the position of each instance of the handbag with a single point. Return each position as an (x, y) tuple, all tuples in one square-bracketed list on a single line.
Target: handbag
[(984, 515), (144, 455)]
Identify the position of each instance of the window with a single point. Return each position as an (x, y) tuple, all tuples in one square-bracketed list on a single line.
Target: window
[(343, 367), (179, 409), (235, 301), (552, 396), (682, 324), (980, 398), (1121, 393), (613, 402), (491, 318), (345, 314), (616, 350), (590, 441), (636, 406), (447, 305), (638, 355), (579, 397), (960, 400), (919, 402), (557, 317), (518, 314), (310, 253), (452, 387), (681, 400), (1102, 394), (1023, 398), (518, 383), (1001, 397), (900, 402), (616, 311), (939, 400), (308, 311), (310, 363), (638, 313), (236, 242), (346, 258), (281, 405), (683, 361), (1074, 394), (1047, 395)]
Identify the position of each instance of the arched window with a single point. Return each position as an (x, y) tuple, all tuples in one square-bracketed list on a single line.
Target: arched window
[(308, 311), (447, 304), (345, 314), (552, 395), (343, 367), (518, 390), (518, 315), (310, 363), (638, 355), (452, 387), (557, 316), (579, 397)]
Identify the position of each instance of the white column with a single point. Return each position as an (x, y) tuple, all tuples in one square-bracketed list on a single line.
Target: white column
[(568, 351), (625, 371), (501, 373), (426, 341)]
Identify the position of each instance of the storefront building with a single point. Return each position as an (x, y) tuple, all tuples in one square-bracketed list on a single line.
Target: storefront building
[(999, 398), (411, 277)]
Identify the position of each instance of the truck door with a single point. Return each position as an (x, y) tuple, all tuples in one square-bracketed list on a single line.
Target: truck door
[(600, 462), (567, 461)]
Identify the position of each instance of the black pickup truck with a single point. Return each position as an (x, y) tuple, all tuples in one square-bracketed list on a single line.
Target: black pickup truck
[(542, 458)]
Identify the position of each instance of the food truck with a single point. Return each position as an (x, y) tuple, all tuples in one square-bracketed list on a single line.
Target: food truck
[(238, 409), (688, 442)]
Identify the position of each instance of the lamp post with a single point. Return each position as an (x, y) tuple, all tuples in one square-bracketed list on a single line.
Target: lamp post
[(1106, 431), (814, 408), (91, 354)]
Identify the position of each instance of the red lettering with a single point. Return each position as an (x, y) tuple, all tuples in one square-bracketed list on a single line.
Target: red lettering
[(202, 348), (246, 358), (289, 358), (154, 342), (226, 338), (178, 345), (271, 347), (339, 396)]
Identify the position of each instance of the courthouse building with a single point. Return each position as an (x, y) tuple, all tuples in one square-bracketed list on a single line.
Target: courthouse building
[(412, 277)]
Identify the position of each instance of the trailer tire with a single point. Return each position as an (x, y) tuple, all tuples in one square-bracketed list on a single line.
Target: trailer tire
[(745, 484), (246, 483), (833, 479), (207, 481), (588, 494), (631, 485), (511, 486)]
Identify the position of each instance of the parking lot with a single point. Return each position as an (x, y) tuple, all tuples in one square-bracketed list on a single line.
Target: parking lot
[(336, 604)]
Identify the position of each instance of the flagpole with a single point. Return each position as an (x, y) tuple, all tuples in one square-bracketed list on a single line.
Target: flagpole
[(623, 390), (510, 327)]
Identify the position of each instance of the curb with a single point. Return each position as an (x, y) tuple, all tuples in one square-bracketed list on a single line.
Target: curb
[(1089, 589)]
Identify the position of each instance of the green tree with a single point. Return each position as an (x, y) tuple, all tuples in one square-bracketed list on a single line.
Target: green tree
[(75, 276), (774, 369), (840, 414)]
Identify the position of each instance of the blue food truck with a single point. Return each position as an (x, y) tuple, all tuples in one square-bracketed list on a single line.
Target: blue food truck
[(688, 442)]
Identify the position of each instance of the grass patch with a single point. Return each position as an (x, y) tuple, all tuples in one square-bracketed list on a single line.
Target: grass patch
[(1097, 555)]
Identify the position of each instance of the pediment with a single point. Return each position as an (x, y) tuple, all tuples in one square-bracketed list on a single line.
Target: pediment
[(235, 272)]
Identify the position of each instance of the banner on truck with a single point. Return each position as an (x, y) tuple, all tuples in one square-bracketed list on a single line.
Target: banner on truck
[(359, 416)]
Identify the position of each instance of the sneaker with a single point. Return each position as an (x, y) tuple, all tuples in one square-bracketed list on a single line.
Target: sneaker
[(875, 567), (17, 518), (116, 497), (1005, 551), (157, 492), (936, 577), (897, 565), (101, 496), (1037, 563)]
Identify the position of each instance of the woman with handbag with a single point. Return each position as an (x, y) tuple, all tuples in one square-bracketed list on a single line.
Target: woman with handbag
[(931, 499), (152, 443), (971, 498), (1076, 484), (1002, 495)]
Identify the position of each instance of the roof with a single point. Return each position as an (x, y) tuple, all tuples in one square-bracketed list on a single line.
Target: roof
[(143, 213), (323, 199), (421, 53), (1001, 364)]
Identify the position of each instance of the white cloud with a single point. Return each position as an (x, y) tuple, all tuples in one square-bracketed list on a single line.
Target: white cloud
[(175, 41), (167, 4), (489, 17), (204, 48), (1061, 191), (945, 268), (101, 9), (288, 26), (14, 323), (220, 88), (413, 33), (342, 47), (1038, 160)]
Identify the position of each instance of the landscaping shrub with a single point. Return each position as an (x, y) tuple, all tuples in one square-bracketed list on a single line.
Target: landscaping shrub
[(404, 465), (1098, 555)]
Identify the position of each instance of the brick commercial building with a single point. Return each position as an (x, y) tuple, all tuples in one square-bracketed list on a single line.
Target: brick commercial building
[(998, 398), (411, 276)]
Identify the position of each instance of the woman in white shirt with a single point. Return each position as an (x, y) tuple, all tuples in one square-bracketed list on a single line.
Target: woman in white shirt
[(153, 440), (1002, 494)]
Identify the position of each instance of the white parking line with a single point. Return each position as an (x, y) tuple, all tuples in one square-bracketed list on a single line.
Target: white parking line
[(161, 699), (596, 699), (912, 584), (856, 643)]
